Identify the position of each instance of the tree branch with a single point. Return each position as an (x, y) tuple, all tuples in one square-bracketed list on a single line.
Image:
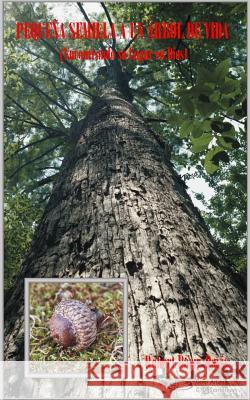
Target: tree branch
[(180, 41), (39, 125), (34, 159), (142, 105), (26, 111), (155, 120), (72, 68), (55, 115), (49, 167), (130, 42), (45, 95), (138, 91), (42, 182), (88, 20), (36, 55), (182, 31), (27, 146), (90, 95), (232, 119), (110, 24), (52, 62), (62, 98)]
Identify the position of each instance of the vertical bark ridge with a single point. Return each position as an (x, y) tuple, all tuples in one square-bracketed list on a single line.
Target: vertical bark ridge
[(118, 209)]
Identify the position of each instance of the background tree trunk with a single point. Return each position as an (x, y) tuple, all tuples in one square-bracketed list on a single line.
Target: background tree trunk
[(118, 209)]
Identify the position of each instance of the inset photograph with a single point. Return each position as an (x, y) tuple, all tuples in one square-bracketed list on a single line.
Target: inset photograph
[(76, 319)]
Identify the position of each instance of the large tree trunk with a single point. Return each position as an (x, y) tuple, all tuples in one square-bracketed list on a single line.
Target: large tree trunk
[(118, 209)]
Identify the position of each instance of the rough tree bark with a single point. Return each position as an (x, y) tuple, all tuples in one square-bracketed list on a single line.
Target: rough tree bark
[(118, 209)]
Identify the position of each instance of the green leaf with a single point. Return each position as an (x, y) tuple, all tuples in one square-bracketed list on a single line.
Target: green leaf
[(206, 124), (187, 105), (201, 143), (238, 112), (197, 129), (230, 134), (175, 119), (196, 133), (244, 107), (185, 129), (225, 143), (227, 127), (181, 92), (210, 155), (222, 70), (219, 126), (203, 88), (203, 74), (215, 96), (225, 103), (210, 167), (213, 157), (204, 98), (230, 85), (206, 109), (221, 156)]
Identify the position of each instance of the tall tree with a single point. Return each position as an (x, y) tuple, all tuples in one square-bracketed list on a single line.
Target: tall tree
[(118, 208)]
